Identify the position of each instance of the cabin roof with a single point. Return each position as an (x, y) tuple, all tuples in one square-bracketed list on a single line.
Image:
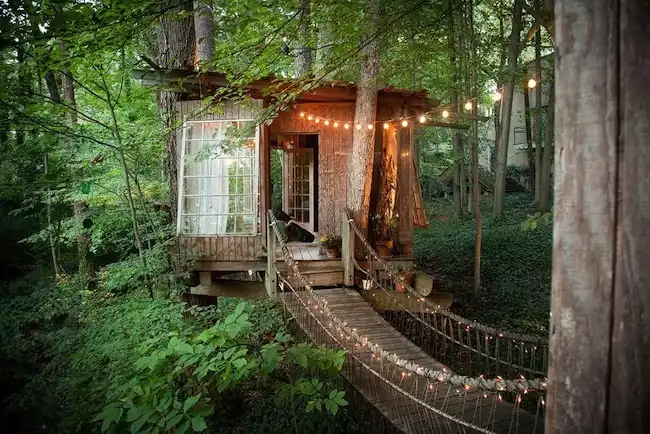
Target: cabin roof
[(194, 84)]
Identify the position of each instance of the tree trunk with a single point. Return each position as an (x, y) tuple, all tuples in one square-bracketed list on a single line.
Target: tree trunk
[(504, 136), (204, 36), (324, 51), (530, 151), (363, 142), (175, 43), (538, 110), (302, 63), (545, 193), (458, 202), (478, 224)]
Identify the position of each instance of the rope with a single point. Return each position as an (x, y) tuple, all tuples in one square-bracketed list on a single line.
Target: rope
[(498, 384)]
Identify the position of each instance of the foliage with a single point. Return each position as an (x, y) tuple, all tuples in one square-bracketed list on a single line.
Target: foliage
[(515, 264), (331, 241)]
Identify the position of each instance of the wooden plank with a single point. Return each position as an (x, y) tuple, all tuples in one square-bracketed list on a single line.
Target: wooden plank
[(271, 278), (232, 288), (229, 265)]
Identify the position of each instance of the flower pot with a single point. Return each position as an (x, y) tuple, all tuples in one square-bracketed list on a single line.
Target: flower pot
[(333, 252), (384, 248), (400, 287), (366, 284)]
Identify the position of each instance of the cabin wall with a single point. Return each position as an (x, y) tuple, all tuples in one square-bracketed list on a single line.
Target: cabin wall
[(233, 248), (334, 147)]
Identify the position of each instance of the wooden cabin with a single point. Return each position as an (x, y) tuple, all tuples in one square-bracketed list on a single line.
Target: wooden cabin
[(224, 198)]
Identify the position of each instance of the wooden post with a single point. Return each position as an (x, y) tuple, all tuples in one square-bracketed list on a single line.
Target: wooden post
[(347, 253), (271, 278), (600, 340)]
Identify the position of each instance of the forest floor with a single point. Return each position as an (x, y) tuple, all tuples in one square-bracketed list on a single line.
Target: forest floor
[(515, 263)]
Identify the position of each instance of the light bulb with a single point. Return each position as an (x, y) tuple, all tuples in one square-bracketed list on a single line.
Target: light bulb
[(496, 97), (358, 126), (468, 105), (405, 123), (302, 114), (386, 125), (423, 119), (336, 124), (326, 122), (445, 114), (346, 125), (370, 126), (532, 83), (317, 120), (309, 117)]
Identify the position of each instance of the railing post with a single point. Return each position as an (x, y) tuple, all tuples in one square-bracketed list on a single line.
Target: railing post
[(271, 277), (347, 253)]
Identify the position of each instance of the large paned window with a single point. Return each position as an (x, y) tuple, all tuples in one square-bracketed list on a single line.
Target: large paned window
[(219, 178)]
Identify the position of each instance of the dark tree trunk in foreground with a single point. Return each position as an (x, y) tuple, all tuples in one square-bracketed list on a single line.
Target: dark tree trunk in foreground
[(538, 110), (476, 189), (363, 142), (504, 135), (175, 43), (458, 202), (545, 189), (600, 300), (302, 63)]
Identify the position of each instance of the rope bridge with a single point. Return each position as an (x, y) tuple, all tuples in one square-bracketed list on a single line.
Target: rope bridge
[(413, 391)]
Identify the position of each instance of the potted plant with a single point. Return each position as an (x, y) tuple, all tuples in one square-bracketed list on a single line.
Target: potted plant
[(404, 277), (332, 245), (385, 229)]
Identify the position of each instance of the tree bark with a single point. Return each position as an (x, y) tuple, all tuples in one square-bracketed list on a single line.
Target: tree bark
[(478, 224), (302, 63), (363, 142), (545, 189), (504, 136), (458, 202), (175, 51), (203, 33), (530, 151), (538, 110)]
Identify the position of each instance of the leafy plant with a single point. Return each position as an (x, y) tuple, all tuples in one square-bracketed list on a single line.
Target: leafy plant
[(331, 241)]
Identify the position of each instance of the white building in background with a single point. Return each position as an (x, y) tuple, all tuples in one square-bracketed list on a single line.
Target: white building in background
[(517, 146)]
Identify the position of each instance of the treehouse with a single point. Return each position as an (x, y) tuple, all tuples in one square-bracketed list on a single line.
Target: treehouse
[(236, 161)]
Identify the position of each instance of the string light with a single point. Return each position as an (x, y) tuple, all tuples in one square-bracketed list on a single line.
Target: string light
[(405, 123), (445, 114), (326, 122), (358, 126), (302, 114), (532, 83), (370, 126), (468, 105), (336, 124), (496, 97), (423, 119), (386, 125), (346, 126), (317, 120)]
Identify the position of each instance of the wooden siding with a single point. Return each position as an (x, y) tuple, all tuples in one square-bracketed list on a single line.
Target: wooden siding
[(334, 146), (222, 248)]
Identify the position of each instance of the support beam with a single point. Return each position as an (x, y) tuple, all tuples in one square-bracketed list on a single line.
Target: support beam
[(347, 253), (600, 301), (271, 279)]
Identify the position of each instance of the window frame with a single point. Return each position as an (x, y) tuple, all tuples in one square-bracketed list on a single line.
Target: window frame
[(255, 182)]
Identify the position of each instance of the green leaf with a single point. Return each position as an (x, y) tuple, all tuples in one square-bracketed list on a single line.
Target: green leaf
[(173, 421), (240, 309), (183, 427), (310, 407), (137, 425), (198, 424), (239, 363), (189, 402), (319, 405), (334, 408), (133, 414)]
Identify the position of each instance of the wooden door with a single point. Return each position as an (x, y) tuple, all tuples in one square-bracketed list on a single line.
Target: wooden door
[(298, 185)]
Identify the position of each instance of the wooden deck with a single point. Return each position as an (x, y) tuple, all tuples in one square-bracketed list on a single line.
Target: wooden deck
[(472, 407)]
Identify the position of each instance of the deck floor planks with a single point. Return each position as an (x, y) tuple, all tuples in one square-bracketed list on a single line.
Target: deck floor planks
[(471, 407)]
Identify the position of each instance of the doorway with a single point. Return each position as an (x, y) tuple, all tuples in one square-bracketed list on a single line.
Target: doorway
[(294, 177)]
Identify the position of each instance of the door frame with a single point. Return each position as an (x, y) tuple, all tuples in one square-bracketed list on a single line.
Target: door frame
[(285, 178)]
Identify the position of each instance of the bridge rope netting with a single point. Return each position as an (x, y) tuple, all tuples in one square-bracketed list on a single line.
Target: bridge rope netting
[(412, 396)]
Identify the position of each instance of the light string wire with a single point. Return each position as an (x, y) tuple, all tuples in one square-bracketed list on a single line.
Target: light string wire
[(498, 384)]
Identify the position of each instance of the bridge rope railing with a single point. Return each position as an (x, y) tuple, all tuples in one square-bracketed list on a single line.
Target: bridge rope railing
[(438, 396), (464, 345)]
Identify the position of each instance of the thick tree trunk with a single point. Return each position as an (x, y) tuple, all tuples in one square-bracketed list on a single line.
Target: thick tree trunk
[(363, 142), (530, 150), (545, 190), (324, 51), (458, 202), (175, 51), (302, 63), (538, 110), (204, 36), (504, 136)]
